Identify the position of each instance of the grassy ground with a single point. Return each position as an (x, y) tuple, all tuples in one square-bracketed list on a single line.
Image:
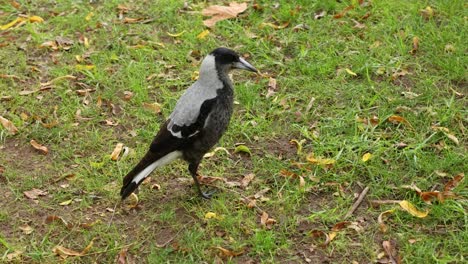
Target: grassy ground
[(339, 80)]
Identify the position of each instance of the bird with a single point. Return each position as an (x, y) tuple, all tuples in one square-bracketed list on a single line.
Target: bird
[(198, 121)]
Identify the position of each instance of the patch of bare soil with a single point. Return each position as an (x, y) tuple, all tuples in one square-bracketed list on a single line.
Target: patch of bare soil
[(281, 148)]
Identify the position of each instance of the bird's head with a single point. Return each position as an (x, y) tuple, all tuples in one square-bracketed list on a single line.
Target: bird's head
[(228, 59), (224, 60)]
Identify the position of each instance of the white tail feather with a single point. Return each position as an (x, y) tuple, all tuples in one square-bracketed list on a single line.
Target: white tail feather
[(160, 162)]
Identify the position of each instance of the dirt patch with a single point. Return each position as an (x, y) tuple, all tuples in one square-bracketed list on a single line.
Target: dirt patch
[(281, 148)]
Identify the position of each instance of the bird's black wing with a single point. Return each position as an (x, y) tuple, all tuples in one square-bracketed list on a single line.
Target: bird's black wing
[(165, 143)]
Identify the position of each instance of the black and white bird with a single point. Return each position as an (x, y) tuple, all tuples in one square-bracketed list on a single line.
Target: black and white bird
[(198, 121)]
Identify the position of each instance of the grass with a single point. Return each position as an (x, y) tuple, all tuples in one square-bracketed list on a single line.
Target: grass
[(426, 87)]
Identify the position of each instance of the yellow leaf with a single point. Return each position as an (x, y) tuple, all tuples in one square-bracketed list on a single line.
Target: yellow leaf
[(175, 34), (203, 34), (319, 161), (12, 23), (81, 67), (115, 154), (298, 145), (410, 208), (210, 215), (88, 17), (155, 107), (382, 225), (67, 202), (366, 157), (350, 72), (34, 19), (453, 138)]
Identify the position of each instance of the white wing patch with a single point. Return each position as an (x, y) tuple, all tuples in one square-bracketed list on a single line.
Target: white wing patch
[(187, 108)]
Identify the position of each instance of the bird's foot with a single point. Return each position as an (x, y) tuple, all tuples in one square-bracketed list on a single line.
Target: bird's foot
[(207, 195)]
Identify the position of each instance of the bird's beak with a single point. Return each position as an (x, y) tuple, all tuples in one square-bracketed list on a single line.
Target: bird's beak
[(244, 65)]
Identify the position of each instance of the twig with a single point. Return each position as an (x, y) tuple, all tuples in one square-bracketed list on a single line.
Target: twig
[(376, 203), (357, 203), (113, 213)]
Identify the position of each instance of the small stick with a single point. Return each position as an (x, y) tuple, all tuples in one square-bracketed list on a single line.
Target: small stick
[(357, 203), (376, 203)]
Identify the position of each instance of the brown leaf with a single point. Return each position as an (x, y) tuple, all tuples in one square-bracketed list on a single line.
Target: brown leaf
[(288, 174), (271, 87), (26, 229), (343, 13), (127, 95), (387, 246), (209, 179), (382, 225), (115, 154), (415, 45), (398, 119), (154, 107), (219, 13), (39, 147), (247, 179), (128, 20), (55, 218), (454, 182), (320, 233), (34, 193), (14, 256), (8, 125), (229, 253), (358, 25), (266, 221)]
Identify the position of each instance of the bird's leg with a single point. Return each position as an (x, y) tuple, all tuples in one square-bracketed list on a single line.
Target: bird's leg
[(193, 167)]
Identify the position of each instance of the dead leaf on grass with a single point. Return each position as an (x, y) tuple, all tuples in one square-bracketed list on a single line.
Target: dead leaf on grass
[(127, 95), (64, 252), (395, 119), (415, 45), (452, 184), (266, 221), (203, 34), (219, 13), (55, 218), (390, 251), (410, 208), (154, 107), (8, 125), (343, 13), (271, 87), (320, 161), (210, 215), (226, 253), (320, 233), (209, 179), (298, 144), (427, 12), (275, 26), (117, 150), (41, 148), (34, 193), (212, 153), (26, 229), (247, 179), (380, 220), (366, 157)]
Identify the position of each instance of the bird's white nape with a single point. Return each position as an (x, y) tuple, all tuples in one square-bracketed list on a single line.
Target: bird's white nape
[(160, 162)]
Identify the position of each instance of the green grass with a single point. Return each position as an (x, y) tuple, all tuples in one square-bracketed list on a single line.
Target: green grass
[(169, 226)]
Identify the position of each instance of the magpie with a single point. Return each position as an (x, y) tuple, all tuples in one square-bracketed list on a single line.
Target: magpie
[(198, 121)]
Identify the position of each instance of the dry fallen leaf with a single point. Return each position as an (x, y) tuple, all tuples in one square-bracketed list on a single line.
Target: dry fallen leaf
[(319, 15), (271, 87), (154, 107), (116, 153), (203, 34), (266, 221), (55, 218), (320, 161), (366, 157), (39, 147), (390, 251), (247, 179), (219, 13), (210, 215), (343, 13), (64, 252), (8, 125), (212, 153), (398, 119), (454, 182), (229, 253), (34, 193), (382, 225), (410, 208), (26, 229), (415, 45), (427, 12)]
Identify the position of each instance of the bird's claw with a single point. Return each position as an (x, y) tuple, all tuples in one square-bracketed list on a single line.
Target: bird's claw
[(208, 195)]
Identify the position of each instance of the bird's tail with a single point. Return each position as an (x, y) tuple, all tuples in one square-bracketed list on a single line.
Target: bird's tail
[(148, 164)]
